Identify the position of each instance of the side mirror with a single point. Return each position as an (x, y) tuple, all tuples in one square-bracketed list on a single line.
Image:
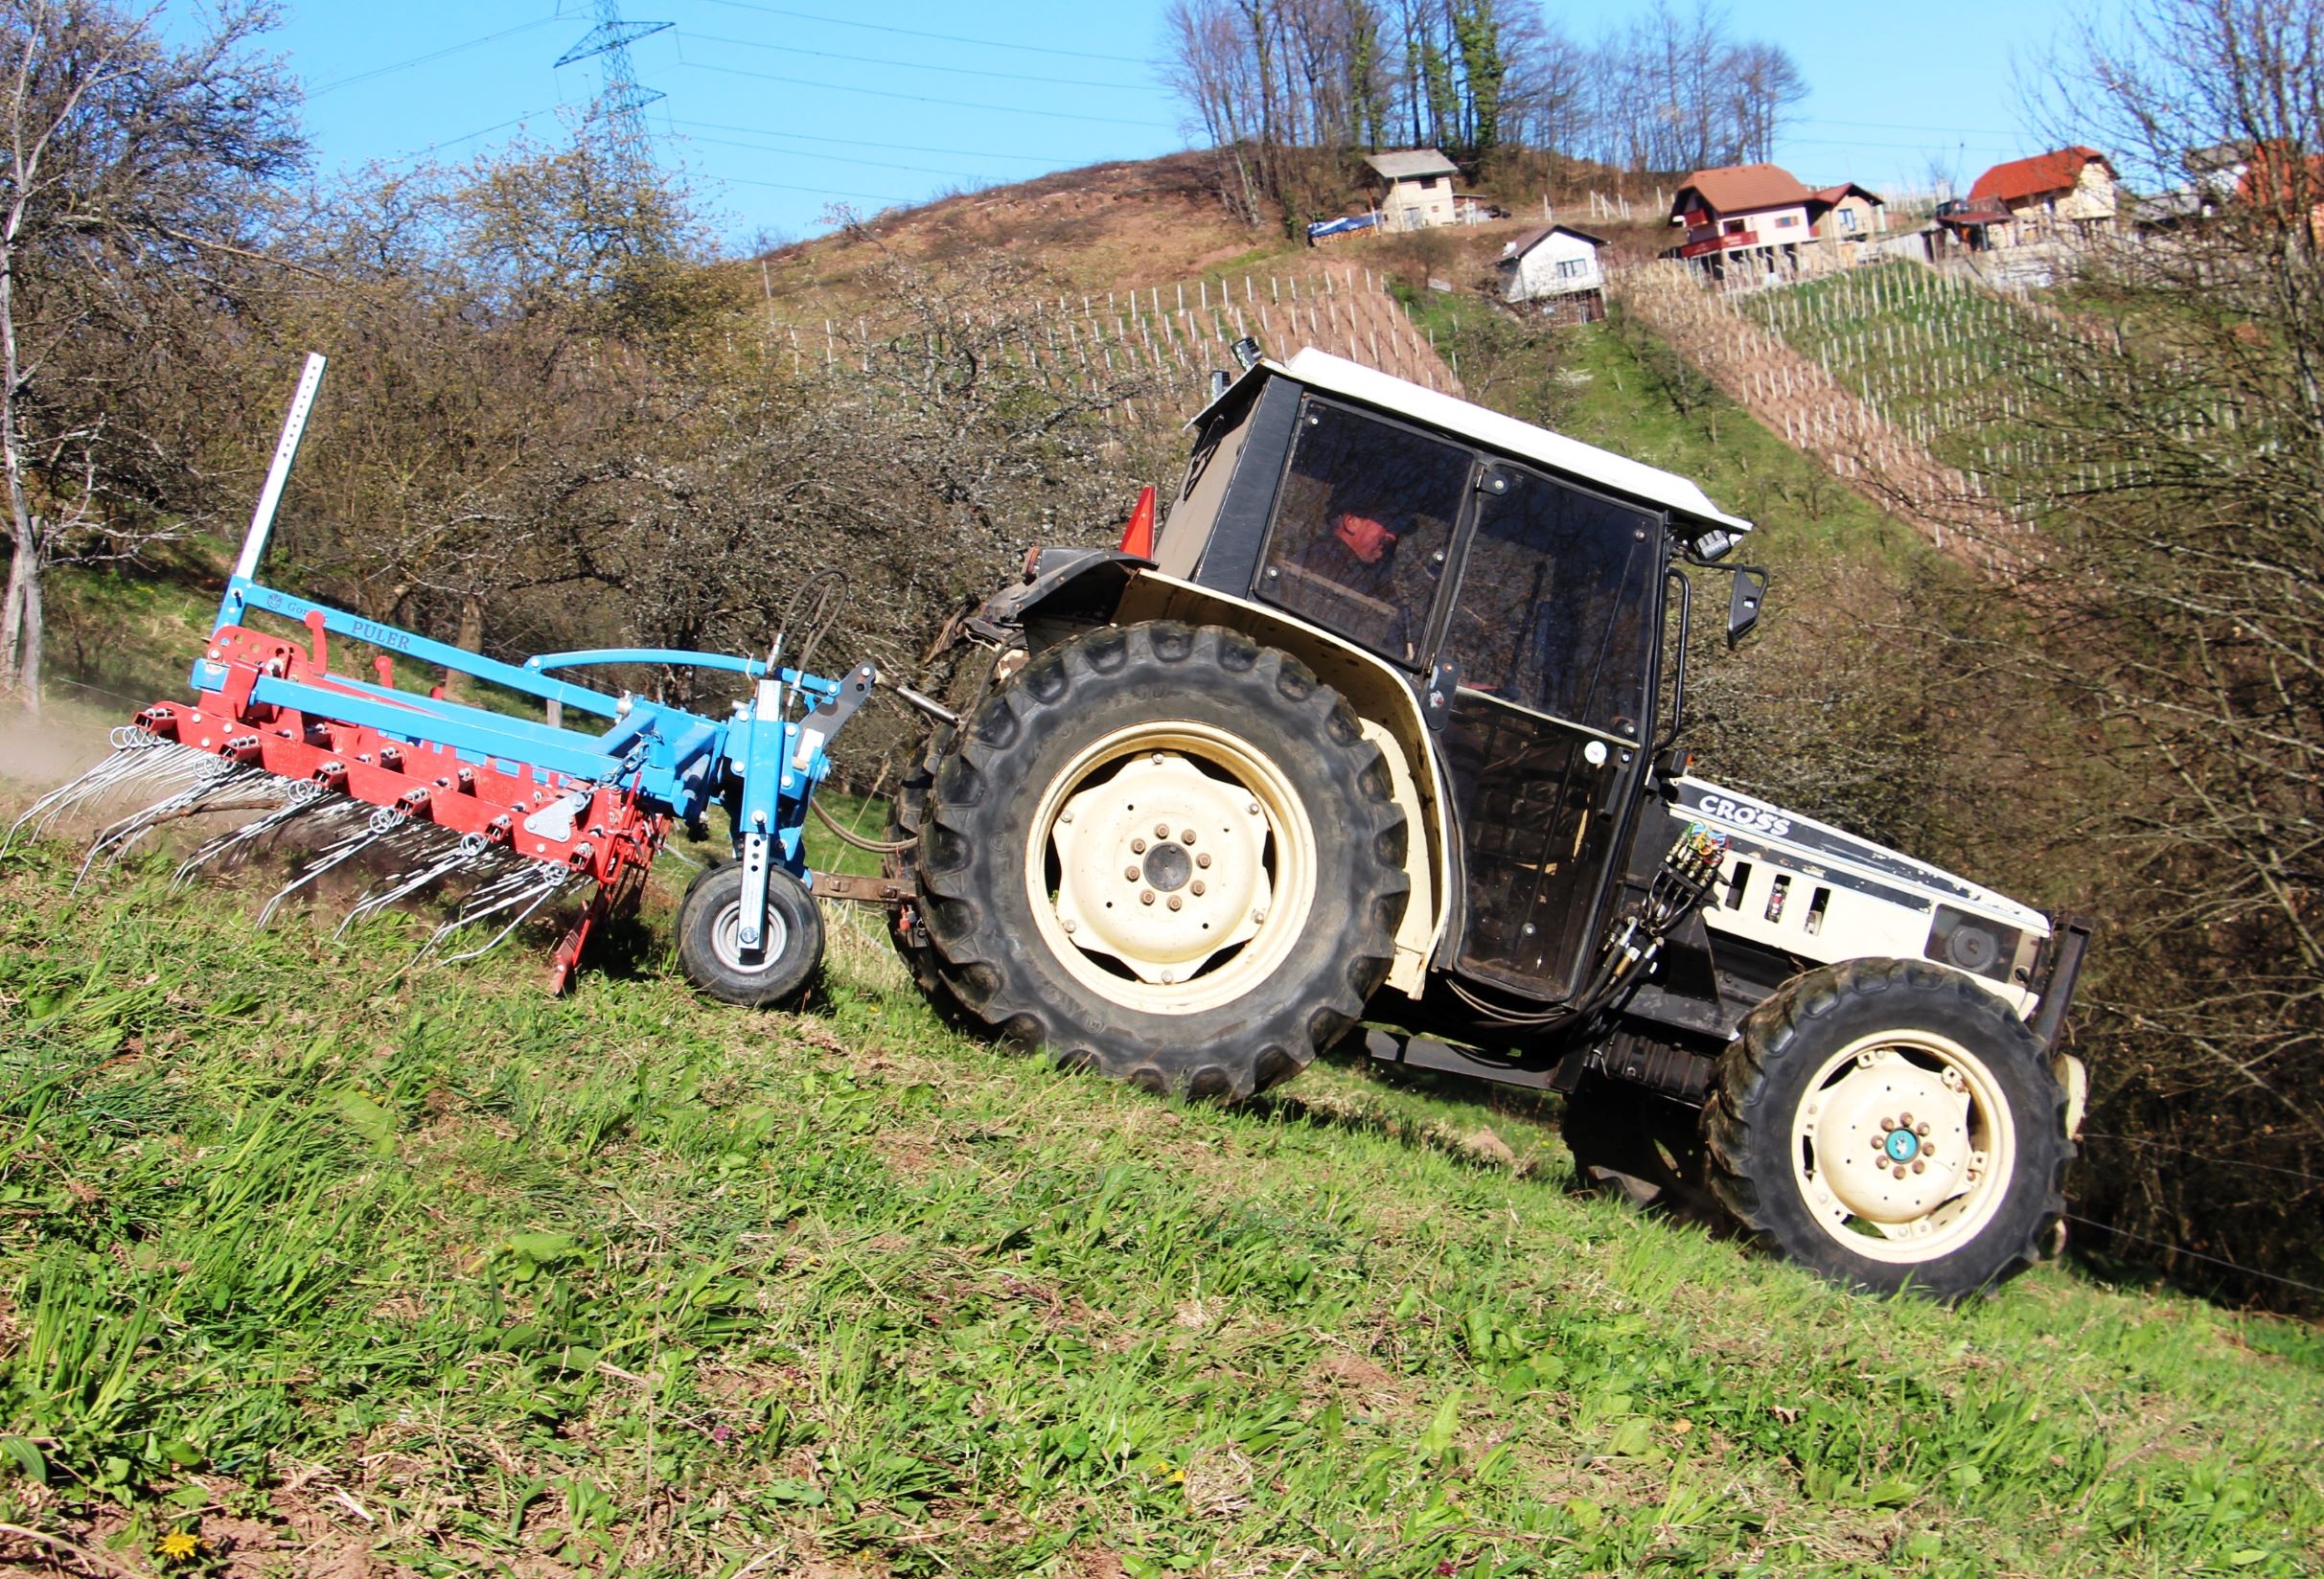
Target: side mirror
[(1743, 606)]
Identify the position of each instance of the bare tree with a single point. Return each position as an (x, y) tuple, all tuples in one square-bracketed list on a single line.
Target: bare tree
[(131, 171), (2183, 617)]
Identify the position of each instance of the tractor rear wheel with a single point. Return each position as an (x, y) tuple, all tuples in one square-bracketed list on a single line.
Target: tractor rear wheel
[(1890, 1124), (1166, 853)]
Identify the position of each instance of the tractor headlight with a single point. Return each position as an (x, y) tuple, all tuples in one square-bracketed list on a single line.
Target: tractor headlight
[(1975, 944)]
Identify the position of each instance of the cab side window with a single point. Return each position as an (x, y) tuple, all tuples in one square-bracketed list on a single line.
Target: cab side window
[(1554, 613), (1361, 526)]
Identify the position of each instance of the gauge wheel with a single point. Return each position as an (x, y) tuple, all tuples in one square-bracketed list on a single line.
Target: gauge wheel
[(1891, 1125), (1168, 854), (709, 951)]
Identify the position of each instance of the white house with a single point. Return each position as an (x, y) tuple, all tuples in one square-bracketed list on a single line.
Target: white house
[(1556, 265), (1419, 190)]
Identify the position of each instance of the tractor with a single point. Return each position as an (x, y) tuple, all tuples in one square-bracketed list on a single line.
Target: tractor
[(1376, 742)]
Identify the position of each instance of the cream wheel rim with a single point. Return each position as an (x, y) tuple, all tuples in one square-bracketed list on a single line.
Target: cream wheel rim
[(1171, 866), (1903, 1146)]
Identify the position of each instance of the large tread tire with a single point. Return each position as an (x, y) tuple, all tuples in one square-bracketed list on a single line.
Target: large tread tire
[(907, 924), (1644, 1150), (997, 960), (1764, 1081), (783, 973)]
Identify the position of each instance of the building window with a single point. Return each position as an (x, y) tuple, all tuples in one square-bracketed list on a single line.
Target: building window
[(1786, 222), (1733, 227), (1573, 268), (1847, 218), (1428, 183)]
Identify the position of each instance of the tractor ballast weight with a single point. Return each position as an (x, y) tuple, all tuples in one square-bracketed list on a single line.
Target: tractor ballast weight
[(1380, 728), (523, 812)]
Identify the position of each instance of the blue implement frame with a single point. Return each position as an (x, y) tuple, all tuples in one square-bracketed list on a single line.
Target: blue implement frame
[(761, 763)]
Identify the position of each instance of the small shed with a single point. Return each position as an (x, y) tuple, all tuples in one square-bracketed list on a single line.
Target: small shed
[(1557, 266), (1417, 188), (1847, 212)]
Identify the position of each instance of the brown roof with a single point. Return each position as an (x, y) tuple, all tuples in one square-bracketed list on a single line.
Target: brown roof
[(1403, 163), (1737, 189), (2022, 178), (1528, 241), (1831, 197)]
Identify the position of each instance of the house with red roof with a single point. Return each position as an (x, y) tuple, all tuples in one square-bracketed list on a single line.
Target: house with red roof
[(1744, 214), (1762, 217), (2062, 195)]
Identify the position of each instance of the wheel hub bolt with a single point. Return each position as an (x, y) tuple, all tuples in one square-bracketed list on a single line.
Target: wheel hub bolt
[(1252, 807), (1919, 1166), (1138, 847), (1065, 817), (1203, 859), (1887, 1124), (1921, 1128), (1130, 872), (1904, 1121), (1146, 898), (1162, 830), (1187, 836), (1199, 890), (1073, 927), (1897, 1170), (1878, 1145), (1175, 901)]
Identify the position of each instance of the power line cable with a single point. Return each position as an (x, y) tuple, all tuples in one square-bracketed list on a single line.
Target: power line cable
[(840, 158), (915, 65), (857, 142), (922, 99), (946, 38), (2205, 1157), (819, 191), (339, 82), (2181, 1250)]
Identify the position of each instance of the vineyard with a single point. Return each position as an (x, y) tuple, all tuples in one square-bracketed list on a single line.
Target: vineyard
[(1169, 339)]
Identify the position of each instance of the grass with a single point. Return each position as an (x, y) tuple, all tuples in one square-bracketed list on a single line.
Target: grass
[(310, 1260)]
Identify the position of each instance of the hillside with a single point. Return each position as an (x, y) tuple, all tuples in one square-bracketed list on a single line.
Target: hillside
[(440, 1273)]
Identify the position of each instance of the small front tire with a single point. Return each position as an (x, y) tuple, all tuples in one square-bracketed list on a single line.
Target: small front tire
[(1891, 1125), (709, 918)]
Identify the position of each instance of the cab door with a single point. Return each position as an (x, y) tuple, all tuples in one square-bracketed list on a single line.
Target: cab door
[(1553, 631)]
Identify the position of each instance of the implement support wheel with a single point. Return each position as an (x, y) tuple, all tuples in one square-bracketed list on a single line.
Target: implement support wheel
[(709, 918)]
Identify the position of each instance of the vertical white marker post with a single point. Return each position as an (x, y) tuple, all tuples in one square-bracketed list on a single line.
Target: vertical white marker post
[(285, 450)]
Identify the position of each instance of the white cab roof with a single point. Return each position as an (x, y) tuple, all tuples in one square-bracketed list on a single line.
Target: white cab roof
[(1618, 473)]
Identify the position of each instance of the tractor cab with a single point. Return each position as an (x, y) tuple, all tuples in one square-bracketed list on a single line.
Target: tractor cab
[(1520, 584)]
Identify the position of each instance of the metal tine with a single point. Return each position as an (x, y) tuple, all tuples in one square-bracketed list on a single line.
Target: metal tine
[(438, 862), (115, 840), (544, 889), (330, 856), (301, 803), (138, 758), (492, 896)]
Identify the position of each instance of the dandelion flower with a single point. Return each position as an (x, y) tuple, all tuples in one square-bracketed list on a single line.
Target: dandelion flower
[(178, 1545)]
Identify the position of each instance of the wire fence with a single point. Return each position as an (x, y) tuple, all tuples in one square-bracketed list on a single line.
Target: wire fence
[(2194, 1254)]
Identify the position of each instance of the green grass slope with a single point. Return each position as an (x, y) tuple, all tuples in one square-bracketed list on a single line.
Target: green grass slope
[(323, 1264)]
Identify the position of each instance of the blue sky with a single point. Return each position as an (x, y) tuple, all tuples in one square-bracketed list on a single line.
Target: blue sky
[(781, 108)]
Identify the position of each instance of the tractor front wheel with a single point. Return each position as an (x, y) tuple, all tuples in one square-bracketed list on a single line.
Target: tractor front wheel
[(1166, 853), (1892, 1125), (709, 926)]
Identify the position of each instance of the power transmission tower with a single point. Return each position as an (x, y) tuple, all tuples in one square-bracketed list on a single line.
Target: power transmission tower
[(620, 107)]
